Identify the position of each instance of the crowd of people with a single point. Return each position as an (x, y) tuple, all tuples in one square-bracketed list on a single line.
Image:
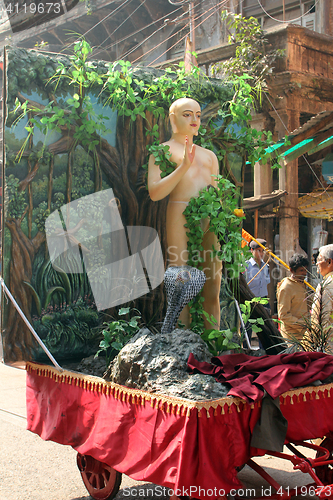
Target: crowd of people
[(305, 317)]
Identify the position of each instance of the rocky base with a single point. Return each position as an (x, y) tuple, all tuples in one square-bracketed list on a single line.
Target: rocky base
[(92, 366), (158, 363)]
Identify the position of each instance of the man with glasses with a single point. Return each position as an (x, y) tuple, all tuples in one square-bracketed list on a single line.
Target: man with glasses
[(320, 335), (322, 307)]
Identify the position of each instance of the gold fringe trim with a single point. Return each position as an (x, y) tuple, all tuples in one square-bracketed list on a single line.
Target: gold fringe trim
[(308, 393), (168, 404)]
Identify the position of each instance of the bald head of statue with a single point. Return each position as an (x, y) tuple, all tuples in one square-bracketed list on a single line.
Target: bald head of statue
[(182, 111)]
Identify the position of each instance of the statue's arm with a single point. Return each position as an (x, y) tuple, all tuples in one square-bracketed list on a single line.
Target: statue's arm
[(159, 188)]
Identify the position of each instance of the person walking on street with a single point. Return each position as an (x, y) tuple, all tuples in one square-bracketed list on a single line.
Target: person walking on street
[(292, 299)]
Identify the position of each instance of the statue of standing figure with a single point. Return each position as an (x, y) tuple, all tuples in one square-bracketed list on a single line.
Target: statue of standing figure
[(196, 168)]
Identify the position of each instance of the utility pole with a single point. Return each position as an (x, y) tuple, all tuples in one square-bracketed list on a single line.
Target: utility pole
[(192, 26)]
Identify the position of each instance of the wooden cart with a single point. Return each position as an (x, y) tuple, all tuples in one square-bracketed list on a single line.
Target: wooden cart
[(191, 448)]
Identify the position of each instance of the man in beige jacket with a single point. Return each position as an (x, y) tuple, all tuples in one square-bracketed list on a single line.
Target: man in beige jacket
[(292, 299)]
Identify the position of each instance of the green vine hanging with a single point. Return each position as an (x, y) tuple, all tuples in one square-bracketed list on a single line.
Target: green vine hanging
[(219, 205)]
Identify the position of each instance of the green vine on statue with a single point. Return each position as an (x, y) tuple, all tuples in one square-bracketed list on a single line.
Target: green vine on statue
[(219, 205)]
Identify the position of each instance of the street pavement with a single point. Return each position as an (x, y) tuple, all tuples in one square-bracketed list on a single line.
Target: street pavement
[(32, 469)]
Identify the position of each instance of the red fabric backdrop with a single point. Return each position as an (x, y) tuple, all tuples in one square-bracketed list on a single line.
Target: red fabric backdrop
[(172, 442)]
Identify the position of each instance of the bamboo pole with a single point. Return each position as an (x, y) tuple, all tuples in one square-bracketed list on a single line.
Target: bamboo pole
[(248, 237)]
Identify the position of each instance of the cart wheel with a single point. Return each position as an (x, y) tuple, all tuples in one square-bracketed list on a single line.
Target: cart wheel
[(325, 472), (101, 480)]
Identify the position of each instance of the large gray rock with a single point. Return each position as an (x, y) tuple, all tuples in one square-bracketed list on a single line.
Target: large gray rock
[(158, 363)]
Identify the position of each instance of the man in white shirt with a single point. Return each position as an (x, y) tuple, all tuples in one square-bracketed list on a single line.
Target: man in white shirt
[(257, 277)]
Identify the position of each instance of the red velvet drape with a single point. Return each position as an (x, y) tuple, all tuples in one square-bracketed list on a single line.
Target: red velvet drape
[(191, 447)]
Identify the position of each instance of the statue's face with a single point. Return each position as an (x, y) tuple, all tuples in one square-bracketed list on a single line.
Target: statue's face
[(185, 119)]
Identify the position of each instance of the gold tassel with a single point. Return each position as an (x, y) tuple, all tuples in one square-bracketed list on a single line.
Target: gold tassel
[(304, 397), (215, 412), (317, 395), (238, 408), (230, 409), (223, 411), (208, 415)]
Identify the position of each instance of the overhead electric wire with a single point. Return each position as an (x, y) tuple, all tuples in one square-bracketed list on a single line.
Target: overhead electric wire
[(196, 26), (135, 32), (290, 20), (165, 40), (90, 29), (126, 54), (215, 7), (121, 24), (95, 25), (106, 17)]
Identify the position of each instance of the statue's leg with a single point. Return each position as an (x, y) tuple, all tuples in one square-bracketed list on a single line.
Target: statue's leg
[(177, 245), (212, 267)]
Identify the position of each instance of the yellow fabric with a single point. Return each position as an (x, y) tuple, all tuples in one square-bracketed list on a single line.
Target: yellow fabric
[(292, 307), (317, 205)]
